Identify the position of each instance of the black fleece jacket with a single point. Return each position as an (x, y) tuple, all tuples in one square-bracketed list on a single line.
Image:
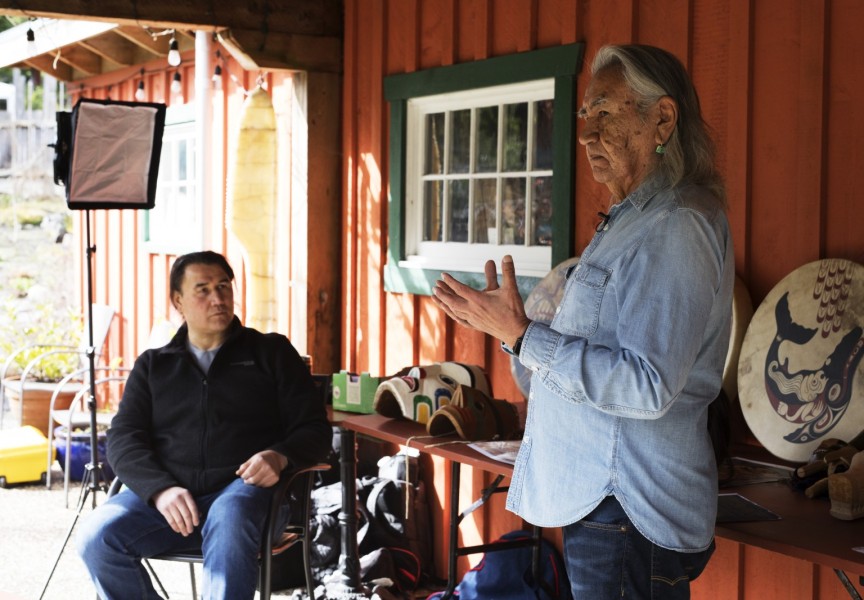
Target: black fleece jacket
[(179, 426)]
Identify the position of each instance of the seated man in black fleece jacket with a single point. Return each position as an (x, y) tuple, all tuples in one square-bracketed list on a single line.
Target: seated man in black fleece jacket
[(206, 425)]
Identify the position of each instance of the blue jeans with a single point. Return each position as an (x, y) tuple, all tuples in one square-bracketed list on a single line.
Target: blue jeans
[(114, 538), (607, 558)]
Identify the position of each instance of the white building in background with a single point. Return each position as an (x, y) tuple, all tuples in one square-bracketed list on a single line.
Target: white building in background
[(26, 160), (7, 114)]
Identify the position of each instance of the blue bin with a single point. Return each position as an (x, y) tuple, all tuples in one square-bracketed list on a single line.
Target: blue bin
[(79, 450)]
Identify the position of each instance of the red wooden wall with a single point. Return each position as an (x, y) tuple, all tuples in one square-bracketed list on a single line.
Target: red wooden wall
[(779, 82)]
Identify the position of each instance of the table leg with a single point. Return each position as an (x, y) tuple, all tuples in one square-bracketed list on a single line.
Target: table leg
[(844, 579), (345, 582), (453, 554)]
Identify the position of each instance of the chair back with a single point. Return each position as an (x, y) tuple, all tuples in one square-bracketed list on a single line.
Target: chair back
[(103, 316), (160, 334)]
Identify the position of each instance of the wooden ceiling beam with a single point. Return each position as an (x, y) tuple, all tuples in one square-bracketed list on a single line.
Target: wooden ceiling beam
[(112, 48), (45, 63), (255, 50), (303, 17), (83, 60), (139, 36)]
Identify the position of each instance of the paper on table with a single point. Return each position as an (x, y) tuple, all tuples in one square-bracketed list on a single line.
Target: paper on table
[(503, 451)]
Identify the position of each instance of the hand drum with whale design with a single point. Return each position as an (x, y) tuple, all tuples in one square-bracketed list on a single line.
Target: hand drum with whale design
[(800, 373)]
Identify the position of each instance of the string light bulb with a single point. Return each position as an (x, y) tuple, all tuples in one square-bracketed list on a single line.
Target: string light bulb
[(176, 85), (31, 41), (140, 94), (217, 77), (173, 52)]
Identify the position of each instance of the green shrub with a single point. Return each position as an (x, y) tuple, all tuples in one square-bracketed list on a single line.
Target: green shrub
[(43, 326), (30, 218)]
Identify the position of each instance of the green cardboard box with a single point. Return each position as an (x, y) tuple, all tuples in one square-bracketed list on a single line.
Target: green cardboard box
[(353, 392)]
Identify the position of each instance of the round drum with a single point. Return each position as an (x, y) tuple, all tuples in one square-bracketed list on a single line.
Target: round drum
[(800, 372), (742, 312)]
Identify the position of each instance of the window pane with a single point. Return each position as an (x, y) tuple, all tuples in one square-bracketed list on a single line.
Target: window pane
[(460, 141), (181, 160), (515, 136), (458, 210), (541, 212), (432, 207), (485, 203), (487, 139), (513, 211), (434, 144), (543, 135)]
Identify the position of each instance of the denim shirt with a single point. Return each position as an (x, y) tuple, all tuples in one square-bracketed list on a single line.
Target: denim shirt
[(623, 375)]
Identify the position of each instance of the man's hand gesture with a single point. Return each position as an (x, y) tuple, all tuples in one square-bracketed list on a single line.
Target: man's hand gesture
[(497, 310)]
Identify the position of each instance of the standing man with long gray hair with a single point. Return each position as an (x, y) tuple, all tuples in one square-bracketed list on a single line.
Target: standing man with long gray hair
[(616, 447)]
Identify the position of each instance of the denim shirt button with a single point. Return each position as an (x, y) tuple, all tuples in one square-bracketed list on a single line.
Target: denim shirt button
[(557, 309)]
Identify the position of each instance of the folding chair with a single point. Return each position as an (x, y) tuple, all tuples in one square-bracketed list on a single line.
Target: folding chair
[(294, 486), (78, 415)]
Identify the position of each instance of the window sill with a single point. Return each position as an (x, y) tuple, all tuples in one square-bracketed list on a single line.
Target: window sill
[(402, 278)]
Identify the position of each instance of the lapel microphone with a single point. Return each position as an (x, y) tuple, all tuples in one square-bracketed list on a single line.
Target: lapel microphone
[(604, 220)]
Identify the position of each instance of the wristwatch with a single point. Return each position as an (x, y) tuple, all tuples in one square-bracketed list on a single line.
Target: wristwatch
[(517, 345)]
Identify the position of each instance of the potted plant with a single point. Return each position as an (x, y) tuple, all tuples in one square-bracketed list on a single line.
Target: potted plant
[(38, 332)]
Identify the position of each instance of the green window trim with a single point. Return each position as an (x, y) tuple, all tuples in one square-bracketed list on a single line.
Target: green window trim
[(561, 63)]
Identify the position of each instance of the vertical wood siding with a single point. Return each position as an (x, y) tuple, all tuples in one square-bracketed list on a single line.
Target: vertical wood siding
[(779, 83)]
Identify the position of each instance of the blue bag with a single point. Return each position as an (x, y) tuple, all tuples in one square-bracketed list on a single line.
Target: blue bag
[(506, 575)]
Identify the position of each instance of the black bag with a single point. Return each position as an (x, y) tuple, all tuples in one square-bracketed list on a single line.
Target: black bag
[(392, 514)]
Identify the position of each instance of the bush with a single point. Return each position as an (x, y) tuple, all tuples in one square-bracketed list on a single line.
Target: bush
[(31, 218), (43, 326)]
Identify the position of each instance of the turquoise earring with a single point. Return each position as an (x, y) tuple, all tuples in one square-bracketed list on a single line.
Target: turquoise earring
[(660, 149)]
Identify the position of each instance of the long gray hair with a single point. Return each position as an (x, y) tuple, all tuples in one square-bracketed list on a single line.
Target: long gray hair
[(651, 74)]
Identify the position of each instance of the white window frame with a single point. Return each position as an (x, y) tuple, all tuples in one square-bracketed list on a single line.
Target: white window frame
[(170, 227), (403, 272), (461, 256)]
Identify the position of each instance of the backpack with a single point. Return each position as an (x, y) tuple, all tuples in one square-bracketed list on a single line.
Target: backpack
[(396, 512), (506, 574), (383, 524)]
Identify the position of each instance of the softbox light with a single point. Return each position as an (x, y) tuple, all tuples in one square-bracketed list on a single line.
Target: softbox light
[(113, 154)]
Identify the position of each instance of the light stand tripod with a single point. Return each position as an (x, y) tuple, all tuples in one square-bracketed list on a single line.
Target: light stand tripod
[(94, 476)]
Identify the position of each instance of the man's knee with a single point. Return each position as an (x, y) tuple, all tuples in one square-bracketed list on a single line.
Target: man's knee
[(90, 534)]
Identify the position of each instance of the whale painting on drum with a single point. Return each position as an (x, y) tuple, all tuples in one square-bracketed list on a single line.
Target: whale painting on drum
[(800, 377)]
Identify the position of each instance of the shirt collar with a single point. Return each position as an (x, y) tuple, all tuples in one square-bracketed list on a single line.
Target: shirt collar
[(646, 190)]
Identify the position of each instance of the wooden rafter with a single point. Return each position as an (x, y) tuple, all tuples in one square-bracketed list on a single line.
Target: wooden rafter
[(303, 17), (264, 34)]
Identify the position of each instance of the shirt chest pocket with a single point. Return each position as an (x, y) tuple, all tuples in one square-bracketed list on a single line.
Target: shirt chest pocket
[(579, 312)]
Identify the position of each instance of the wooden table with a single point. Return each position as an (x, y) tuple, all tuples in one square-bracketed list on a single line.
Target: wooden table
[(805, 529)]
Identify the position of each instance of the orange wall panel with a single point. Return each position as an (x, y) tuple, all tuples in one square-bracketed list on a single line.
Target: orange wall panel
[(721, 578), (844, 152)]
